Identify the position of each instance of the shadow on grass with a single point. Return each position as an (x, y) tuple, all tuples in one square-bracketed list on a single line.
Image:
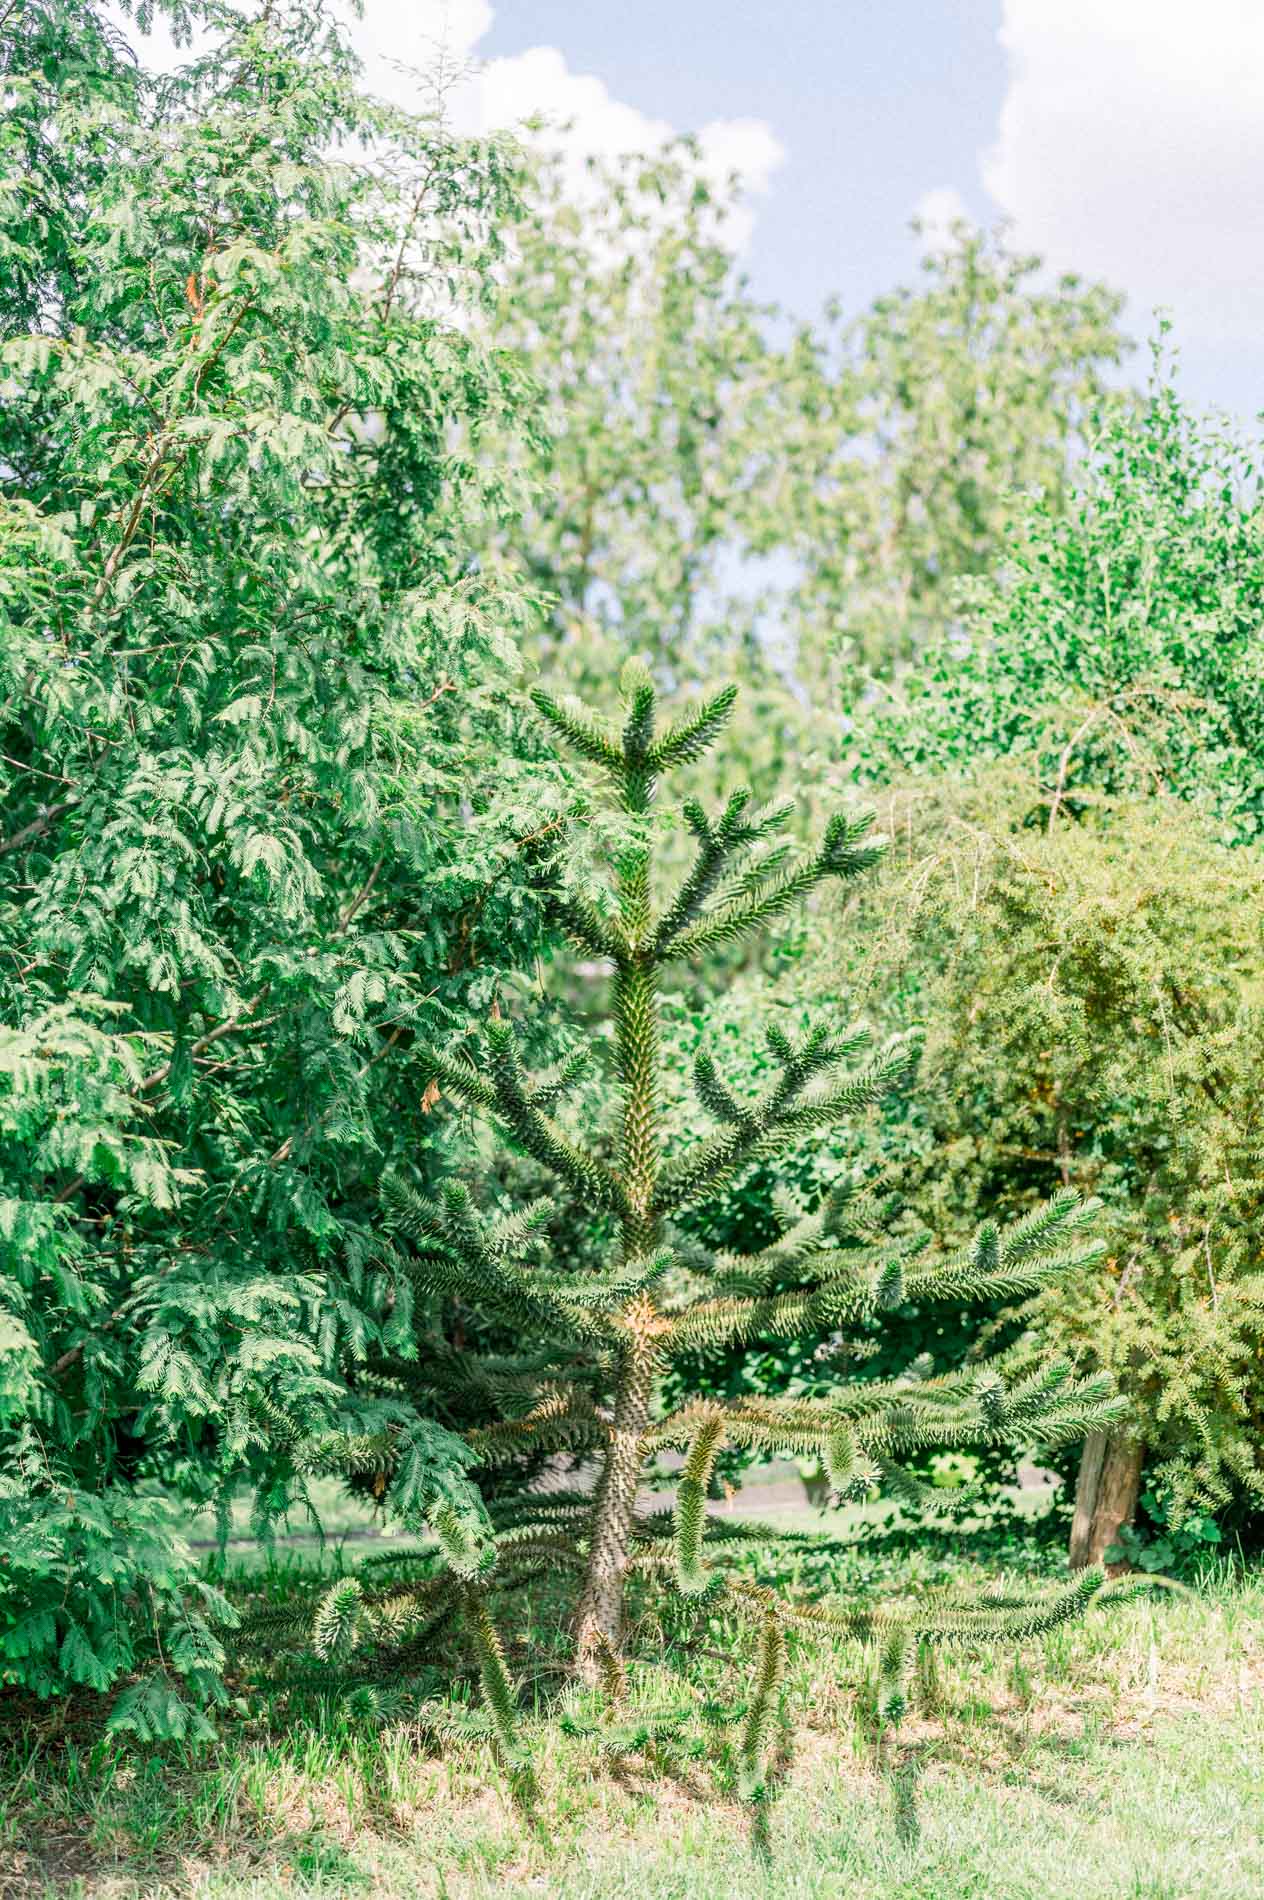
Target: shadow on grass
[(779, 1768), (903, 1770)]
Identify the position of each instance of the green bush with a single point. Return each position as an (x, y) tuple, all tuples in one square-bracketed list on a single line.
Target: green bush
[(1093, 1001), (1159, 1544), (248, 677), (1115, 639)]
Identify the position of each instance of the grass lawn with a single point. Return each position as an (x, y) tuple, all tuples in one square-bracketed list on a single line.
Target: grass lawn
[(1117, 1759)]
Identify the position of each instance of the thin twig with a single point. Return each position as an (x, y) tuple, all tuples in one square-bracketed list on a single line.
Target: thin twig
[(1064, 763), (361, 894), (54, 778)]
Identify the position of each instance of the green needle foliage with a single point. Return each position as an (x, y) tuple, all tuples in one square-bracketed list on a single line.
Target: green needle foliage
[(596, 1344)]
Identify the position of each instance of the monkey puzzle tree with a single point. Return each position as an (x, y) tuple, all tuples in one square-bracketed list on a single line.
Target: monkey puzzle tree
[(595, 1343)]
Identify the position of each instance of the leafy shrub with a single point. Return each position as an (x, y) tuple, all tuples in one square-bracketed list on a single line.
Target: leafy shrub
[(246, 678), (1158, 1544), (1093, 999)]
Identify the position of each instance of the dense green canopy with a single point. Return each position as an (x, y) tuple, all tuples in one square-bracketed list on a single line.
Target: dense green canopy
[(267, 807)]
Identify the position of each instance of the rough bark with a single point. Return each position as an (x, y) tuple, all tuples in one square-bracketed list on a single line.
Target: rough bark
[(599, 1620), (1105, 1494)]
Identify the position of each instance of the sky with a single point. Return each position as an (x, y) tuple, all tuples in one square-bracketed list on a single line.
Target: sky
[(1123, 139)]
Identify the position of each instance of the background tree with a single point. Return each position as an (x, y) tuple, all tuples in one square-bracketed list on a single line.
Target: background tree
[(1091, 993), (947, 400), (252, 686), (1116, 641), (673, 415), (717, 486)]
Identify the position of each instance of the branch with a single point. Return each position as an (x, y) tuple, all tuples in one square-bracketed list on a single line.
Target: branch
[(695, 733), (1064, 763), (540, 1136), (772, 1125), (36, 826), (841, 855), (591, 736)]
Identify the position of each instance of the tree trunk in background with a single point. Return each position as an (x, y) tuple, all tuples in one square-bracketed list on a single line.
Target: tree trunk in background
[(1105, 1494)]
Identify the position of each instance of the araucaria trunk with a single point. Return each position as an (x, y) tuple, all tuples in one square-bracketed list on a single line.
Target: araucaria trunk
[(600, 1616), (599, 1620)]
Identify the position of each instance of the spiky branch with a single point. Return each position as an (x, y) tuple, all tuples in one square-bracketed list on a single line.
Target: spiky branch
[(595, 1344)]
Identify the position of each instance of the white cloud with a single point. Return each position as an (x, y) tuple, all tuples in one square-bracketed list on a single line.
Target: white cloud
[(748, 147), (397, 40), (1131, 147)]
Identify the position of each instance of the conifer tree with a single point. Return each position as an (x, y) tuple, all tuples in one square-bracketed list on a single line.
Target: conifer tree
[(595, 1344)]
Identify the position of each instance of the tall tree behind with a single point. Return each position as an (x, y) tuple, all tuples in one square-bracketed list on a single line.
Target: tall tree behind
[(959, 394), (247, 677), (721, 486), (669, 405)]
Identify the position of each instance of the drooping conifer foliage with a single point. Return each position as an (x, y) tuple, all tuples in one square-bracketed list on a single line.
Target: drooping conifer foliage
[(586, 1381)]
